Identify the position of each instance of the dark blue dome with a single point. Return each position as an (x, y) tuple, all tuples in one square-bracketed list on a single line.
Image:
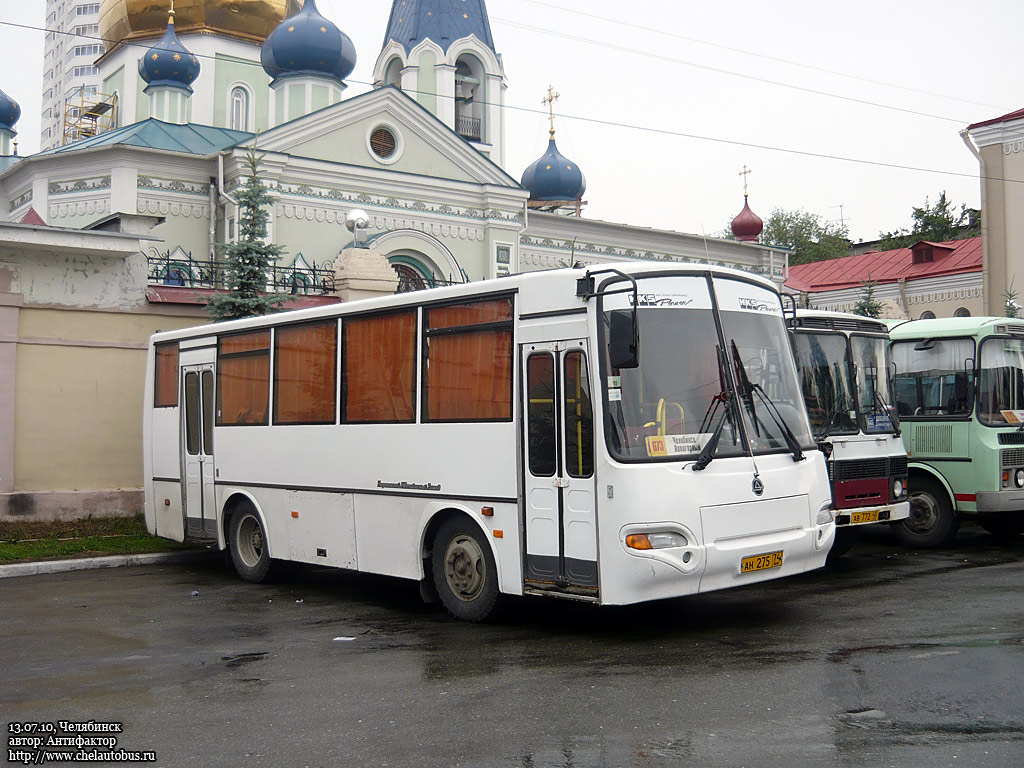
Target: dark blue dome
[(554, 177), (9, 112), (308, 44), (169, 63)]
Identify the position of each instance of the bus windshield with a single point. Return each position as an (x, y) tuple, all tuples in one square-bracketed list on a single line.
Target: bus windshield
[(1001, 382), (671, 404), (874, 399), (825, 377)]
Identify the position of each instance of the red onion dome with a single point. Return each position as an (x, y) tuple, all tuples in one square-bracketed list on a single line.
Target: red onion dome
[(747, 225)]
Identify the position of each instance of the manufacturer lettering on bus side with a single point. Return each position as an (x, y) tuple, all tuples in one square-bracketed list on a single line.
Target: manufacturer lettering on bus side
[(404, 486)]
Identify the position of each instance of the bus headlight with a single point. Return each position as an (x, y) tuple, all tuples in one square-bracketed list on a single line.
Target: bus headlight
[(655, 540), (1018, 478), (897, 489), (825, 515)]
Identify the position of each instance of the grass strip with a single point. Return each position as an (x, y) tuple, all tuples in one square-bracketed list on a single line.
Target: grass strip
[(87, 537)]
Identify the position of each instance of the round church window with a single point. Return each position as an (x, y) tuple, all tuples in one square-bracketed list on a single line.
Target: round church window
[(382, 142)]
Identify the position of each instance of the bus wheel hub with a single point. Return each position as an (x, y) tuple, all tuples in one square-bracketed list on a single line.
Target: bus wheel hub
[(464, 567)]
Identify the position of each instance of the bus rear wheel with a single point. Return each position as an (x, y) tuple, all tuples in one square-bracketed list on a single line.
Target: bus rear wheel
[(1003, 526), (932, 522), (247, 541), (464, 571)]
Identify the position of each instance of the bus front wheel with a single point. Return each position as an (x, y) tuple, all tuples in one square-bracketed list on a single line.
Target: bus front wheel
[(932, 521), (247, 541), (464, 571)]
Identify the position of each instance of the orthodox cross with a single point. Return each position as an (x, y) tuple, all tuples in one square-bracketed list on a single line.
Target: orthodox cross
[(744, 173), (550, 100)]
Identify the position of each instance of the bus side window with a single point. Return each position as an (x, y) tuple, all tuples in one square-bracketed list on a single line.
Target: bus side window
[(192, 413), (243, 378), (540, 419), (165, 378), (579, 417)]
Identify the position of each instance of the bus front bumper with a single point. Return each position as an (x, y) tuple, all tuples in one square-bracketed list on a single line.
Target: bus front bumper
[(1000, 501)]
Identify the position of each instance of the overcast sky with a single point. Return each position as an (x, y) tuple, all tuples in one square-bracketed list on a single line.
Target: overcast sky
[(651, 91)]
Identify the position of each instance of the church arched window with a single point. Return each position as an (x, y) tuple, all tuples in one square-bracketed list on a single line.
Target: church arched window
[(239, 109), (393, 73), (469, 98)]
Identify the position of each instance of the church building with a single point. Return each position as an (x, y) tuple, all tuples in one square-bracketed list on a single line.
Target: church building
[(118, 234)]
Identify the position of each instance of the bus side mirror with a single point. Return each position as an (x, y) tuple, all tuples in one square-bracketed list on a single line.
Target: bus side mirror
[(623, 339)]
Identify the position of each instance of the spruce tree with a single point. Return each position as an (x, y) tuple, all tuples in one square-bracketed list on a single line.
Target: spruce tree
[(249, 257), (868, 306)]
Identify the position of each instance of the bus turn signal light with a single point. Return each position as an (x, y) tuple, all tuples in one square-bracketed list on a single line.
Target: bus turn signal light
[(638, 541), (498, 533), (487, 511), (295, 513)]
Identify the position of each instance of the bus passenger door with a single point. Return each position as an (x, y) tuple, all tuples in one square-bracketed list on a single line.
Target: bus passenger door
[(197, 453), (560, 499)]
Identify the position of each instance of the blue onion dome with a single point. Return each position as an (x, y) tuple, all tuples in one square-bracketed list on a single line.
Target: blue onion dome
[(308, 44), (10, 112), (554, 177), (169, 63)]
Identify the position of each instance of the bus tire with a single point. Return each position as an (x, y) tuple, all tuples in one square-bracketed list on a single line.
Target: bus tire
[(1004, 526), (465, 574), (842, 543), (932, 521), (247, 541)]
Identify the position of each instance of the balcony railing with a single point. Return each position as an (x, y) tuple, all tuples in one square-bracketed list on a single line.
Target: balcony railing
[(469, 127), (179, 270)]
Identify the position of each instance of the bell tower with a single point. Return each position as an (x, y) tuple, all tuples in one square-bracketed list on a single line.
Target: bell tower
[(441, 53)]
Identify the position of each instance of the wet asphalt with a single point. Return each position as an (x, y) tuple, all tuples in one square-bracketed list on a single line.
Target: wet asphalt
[(889, 657)]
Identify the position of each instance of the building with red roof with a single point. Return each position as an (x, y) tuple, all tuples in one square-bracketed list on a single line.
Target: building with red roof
[(925, 280)]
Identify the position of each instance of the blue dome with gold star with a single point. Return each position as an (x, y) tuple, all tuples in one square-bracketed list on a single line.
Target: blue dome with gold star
[(308, 44), (168, 62), (554, 177), (10, 112)]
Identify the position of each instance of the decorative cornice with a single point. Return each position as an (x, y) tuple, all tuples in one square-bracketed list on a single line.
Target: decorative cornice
[(174, 185), (70, 186), (389, 202), (172, 208), (609, 252), (80, 208), (23, 199)]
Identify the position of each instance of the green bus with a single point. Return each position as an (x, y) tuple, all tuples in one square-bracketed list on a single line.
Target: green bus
[(959, 389)]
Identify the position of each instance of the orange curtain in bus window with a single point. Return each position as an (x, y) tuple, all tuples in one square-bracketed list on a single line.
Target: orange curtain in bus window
[(243, 378), (305, 375), (494, 311), (379, 369), (469, 376), (165, 394)]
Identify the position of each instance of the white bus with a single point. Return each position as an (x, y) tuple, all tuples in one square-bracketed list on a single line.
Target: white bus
[(845, 374), (610, 435)]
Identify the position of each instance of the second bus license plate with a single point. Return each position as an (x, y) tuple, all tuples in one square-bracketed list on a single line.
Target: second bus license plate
[(871, 516), (761, 562)]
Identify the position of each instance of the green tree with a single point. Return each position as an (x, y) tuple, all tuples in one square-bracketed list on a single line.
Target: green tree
[(1011, 304), (807, 235), (249, 258), (868, 305), (937, 223)]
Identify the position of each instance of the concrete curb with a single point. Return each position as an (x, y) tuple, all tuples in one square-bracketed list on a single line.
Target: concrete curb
[(109, 561)]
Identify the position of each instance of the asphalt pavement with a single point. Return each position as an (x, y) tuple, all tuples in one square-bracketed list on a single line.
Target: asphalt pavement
[(889, 657)]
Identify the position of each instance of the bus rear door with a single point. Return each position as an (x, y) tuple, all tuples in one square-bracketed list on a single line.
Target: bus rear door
[(198, 469)]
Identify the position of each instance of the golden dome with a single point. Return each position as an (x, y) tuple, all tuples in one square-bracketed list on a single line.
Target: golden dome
[(247, 19)]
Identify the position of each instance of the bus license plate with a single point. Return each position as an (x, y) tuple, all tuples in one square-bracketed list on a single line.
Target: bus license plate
[(761, 562), (870, 516)]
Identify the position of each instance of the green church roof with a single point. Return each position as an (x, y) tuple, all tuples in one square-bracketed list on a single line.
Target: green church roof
[(155, 134)]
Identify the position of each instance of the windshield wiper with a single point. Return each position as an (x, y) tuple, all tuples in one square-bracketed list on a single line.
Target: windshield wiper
[(787, 434), (707, 453), (890, 413)]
